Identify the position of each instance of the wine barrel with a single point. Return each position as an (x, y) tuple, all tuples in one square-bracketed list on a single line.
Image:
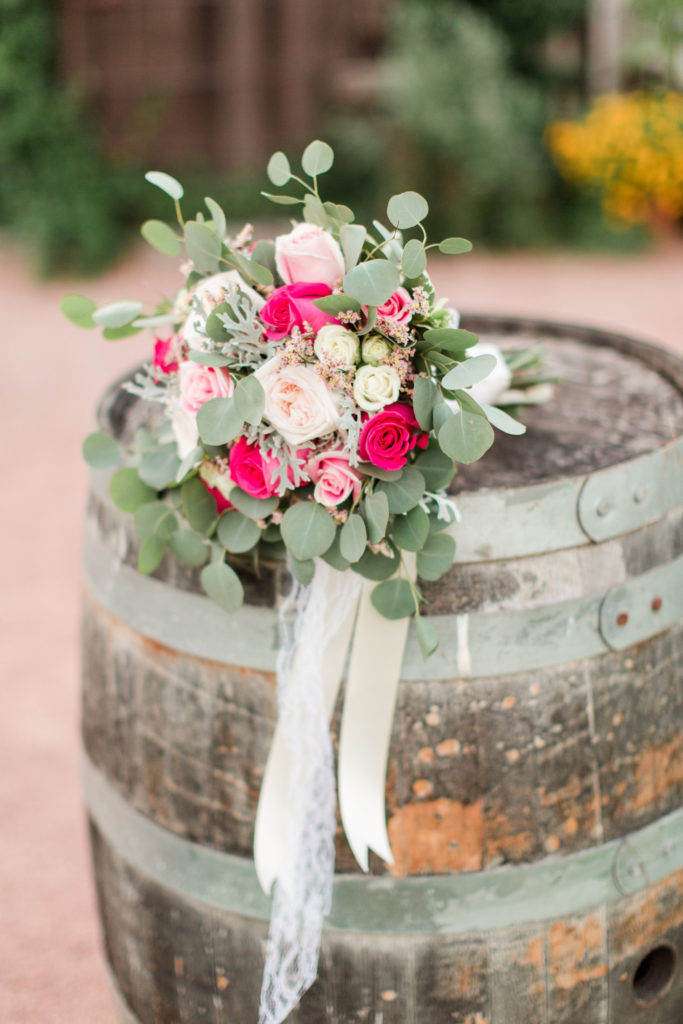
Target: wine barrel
[(536, 766)]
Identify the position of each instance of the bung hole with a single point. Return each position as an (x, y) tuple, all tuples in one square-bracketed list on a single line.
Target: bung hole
[(653, 974)]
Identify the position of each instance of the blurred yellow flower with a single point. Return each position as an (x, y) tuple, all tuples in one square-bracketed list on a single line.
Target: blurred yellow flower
[(631, 146)]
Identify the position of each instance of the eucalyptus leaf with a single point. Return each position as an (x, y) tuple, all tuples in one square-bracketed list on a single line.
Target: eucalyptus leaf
[(307, 529), (303, 570), (333, 555), (249, 268), (128, 491), (79, 310), (455, 246), (405, 493), (317, 158), (158, 320), (437, 469), (372, 282), (339, 214), (223, 586), (250, 400), (150, 554), (393, 599), (427, 636), (352, 239), (377, 472), (188, 463), (155, 518), (237, 532), (454, 340), (336, 304), (425, 393), (470, 372), (410, 531), (188, 547), (376, 567), (441, 413), (207, 358), (161, 237), (199, 507), (375, 510), (353, 538), (465, 437), (502, 420), (218, 421), (407, 209), (314, 211), (278, 169), (263, 253), (118, 333), (215, 328), (255, 508), (282, 200), (101, 450), (203, 247), (436, 557), (117, 314), (217, 217), (414, 260), (159, 467), (166, 183)]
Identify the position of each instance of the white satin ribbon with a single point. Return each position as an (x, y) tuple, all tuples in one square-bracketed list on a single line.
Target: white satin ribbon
[(371, 687)]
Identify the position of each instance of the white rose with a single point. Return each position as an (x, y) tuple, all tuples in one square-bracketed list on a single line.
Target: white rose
[(184, 427), (208, 294), (375, 387), (375, 349), (298, 404), (336, 343), (492, 387)]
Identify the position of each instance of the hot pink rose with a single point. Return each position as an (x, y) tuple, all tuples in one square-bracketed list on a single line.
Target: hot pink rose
[(200, 383), (333, 477), (254, 472), (309, 254), (387, 437), (165, 355), (288, 307), (398, 307)]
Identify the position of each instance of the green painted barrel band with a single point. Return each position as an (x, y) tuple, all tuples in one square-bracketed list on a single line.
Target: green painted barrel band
[(449, 904), (470, 645)]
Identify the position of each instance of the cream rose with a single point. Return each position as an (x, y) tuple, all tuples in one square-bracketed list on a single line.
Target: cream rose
[(492, 387), (375, 349), (375, 387), (309, 254), (336, 343), (208, 294), (298, 404)]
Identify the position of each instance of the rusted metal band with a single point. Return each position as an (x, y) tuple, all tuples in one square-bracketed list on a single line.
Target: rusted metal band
[(472, 645), (451, 904)]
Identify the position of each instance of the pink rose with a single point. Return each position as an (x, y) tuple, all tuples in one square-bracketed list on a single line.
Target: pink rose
[(298, 404), (398, 307), (200, 383), (309, 254), (288, 307), (387, 437), (333, 477), (165, 356), (255, 472)]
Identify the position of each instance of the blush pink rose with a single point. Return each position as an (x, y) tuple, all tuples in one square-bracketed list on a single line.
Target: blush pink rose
[(165, 356), (334, 478), (288, 307), (309, 254), (298, 404), (200, 383), (387, 437), (398, 307), (255, 472)]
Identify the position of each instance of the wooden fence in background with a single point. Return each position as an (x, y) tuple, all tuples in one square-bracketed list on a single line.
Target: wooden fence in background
[(219, 83)]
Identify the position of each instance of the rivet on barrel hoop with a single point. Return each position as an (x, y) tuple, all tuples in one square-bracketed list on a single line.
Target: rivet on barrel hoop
[(656, 604), (622, 618)]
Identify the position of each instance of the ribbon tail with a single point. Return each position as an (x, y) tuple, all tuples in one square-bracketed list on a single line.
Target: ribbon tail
[(371, 688), (272, 814)]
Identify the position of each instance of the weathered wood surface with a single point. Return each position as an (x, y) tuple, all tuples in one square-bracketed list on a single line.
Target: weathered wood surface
[(483, 772)]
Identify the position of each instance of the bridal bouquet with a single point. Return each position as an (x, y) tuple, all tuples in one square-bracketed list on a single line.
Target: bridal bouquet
[(316, 397)]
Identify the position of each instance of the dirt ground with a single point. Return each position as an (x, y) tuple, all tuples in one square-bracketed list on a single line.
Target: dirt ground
[(51, 967)]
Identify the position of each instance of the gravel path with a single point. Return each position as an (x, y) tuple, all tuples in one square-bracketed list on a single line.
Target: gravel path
[(52, 969)]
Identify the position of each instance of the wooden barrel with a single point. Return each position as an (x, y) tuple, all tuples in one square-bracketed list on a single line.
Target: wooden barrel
[(536, 767)]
